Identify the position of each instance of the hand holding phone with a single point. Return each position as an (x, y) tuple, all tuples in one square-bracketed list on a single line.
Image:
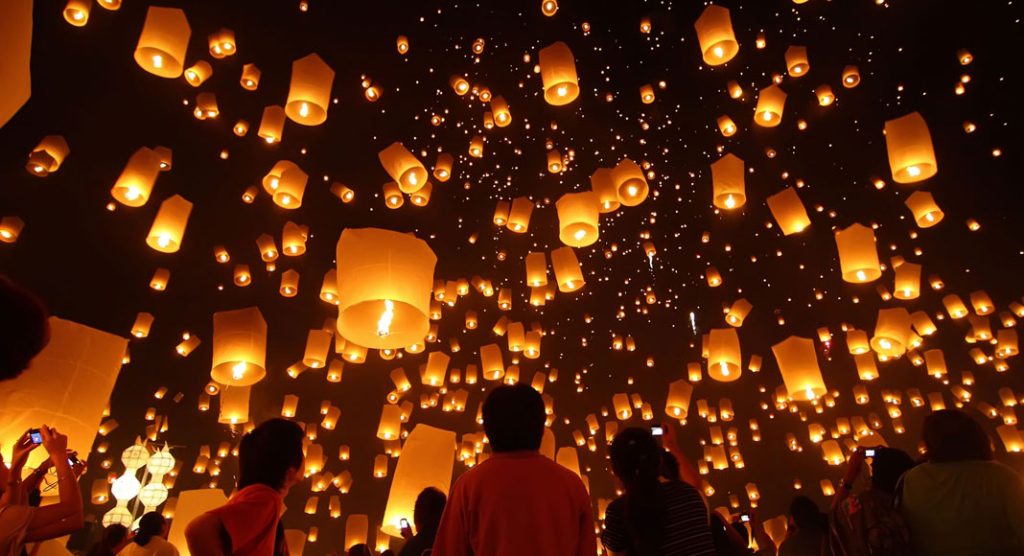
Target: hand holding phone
[(36, 435), (745, 517), (869, 452), (656, 430)]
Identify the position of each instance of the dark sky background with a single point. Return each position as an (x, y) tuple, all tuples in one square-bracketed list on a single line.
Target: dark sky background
[(92, 265)]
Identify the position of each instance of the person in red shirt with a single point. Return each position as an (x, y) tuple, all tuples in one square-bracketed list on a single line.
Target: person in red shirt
[(517, 501)]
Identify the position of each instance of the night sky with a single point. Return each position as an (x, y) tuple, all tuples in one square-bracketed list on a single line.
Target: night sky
[(92, 265)]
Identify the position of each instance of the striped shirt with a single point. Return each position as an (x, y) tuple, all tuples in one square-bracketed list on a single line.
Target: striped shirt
[(686, 533)]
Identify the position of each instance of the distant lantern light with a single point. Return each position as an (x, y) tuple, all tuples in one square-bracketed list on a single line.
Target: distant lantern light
[(519, 215), (250, 79), (548, 7), (715, 34), (796, 61), (789, 211), (558, 74), (76, 12), (825, 95), (851, 77), (222, 43), (291, 188), (909, 144), (163, 42), (726, 126), (402, 44), (198, 73), (499, 109)]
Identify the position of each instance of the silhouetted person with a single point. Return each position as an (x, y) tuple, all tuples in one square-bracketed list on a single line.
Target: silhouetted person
[(360, 549), (427, 517), (24, 330), (149, 538), (656, 516), (960, 501), (868, 523), (115, 537), (807, 529), (269, 462), (517, 502)]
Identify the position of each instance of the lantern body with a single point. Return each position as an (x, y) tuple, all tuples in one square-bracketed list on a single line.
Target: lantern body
[(403, 167), (892, 332), (789, 211), (577, 219), (536, 271), (908, 281), (239, 347), (798, 364), (726, 126), (48, 155), (318, 343), (568, 273), (909, 144), (198, 73), (492, 362), (163, 42), (291, 188), (272, 124), (738, 312), (603, 185), (858, 256), (443, 168), (427, 460), (727, 176), (770, 103), (250, 79), (922, 206), (677, 405), (384, 283), (558, 74), (796, 61), (630, 182), (714, 32), (519, 215), (851, 77), (309, 94), (169, 225), (135, 184), (724, 355), (499, 109)]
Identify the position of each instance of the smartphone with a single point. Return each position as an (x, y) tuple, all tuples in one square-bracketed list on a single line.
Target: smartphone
[(404, 523), (870, 453), (656, 430), (36, 436), (745, 517), (73, 459)]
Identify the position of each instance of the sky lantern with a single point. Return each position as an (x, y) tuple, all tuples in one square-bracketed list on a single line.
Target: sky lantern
[(402, 44), (76, 12), (981, 302), (272, 124), (272, 180), (48, 155), (206, 106), (239, 347), (789, 211), (851, 77), (491, 362), (536, 271), (310, 91), (403, 167), (858, 256), (892, 332), (623, 409), (602, 183), (738, 312), (567, 269), (630, 182), (677, 405), (393, 197), (908, 281), (714, 33), (291, 187), (293, 239), (234, 405), (318, 343), (922, 206), (954, 306), (390, 422), (726, 126), (135, 184), (250, 78), (443, 167), (548, 7), (558, 74), (436, 369), (577, 219), (421, 197), (935, 362), (724, 355), (647, 94), (163, 42), (825, 95), (459, 84), (554, 159), (727, 177), (909, 144), (519, 215), (198, 73), (796, 61), (798, 365), (499, 109), (222, 43), (169, 225), (770, 102), (427, 460), (384, 283)]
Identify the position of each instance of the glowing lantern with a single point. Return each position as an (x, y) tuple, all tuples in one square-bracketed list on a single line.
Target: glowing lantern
[(206, 106), (459, 84), (48, 155), (926, 213), (858, 257), (630, 182), (1006, 343), (892, 332), (499, 109), (851, 77), (866, 367), (825, 95), (293, 239), (169, 225), (492, 362), (738, 312), (714, 32), (318, 342), (426, 461), (536, 270), (402, 44), (909, 144), (798, 365), (76, 12), (239, 347), (242, 278), (789, 211), (198, 73), (163, 42), (222, 43), (421, 197), (622, 407), (558, 74), (290, 188), (770, 102), (935, 362), (234, 405), (832, 453), (577, 219), (384, 285), (250, 79), (10, 228), (677, 405), (549, 7), (390, 422), (135, 183), (241, 128), (393, 198), (160, 279), (568, 273), (724, 355), (981, 302), (1011, 438), (796, 61), (727, 176), (443, 168), (380, 466), (603, 185), (403, 167), (519, 215), (726, 126), (714, 278), (908, 281), (954, 306), (272, 124), (476, 146), (647, 94), (310, 91)]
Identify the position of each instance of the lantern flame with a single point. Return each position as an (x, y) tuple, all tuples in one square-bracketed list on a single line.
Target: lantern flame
[(238, 370), (158, 61), (384, 324)]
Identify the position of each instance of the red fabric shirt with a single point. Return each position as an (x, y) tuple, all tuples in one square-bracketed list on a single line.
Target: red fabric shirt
[(517, 503), (250, 517)]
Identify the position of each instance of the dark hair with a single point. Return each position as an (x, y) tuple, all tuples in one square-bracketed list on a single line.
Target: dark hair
[(888, 465), (806, 515), (514, 418), (951, 435), (637, 462), (428, 510), (113, 535), (359, 550), (24, 330), (150, 525), (267, 453), (669, 466)]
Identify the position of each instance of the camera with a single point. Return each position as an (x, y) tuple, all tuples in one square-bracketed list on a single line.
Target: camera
[(36, 436), (656, 430)]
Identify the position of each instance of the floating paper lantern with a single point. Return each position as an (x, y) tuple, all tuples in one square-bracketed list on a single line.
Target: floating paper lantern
[(536, 271), (310, 91), (426, 461), (384, 284), (250, 79), (726, 126), (290, 188), (390, 422), (403, 167), (796, 61), (459, 84), (163, 42), (789, 211), (825, 95), (318, 342), (577, 219), (241, 275), (567, 269), (770, 102), (241, 128), (603, 185), (206, 106), (1006, 343), (422, 197), (492, 362), (289, 283), (10, 228), (981, 302), (647, 94), (443, 168), (268, 249), (727, 176), (234, 405), (499, 109), (630, 182), (519, 215), (549, 7), (554, 161), (135, 184), (160, 279), (935, 362), (832, 453), (402, 44), (272, 124), (738, 312), (954, 306), (677, 405), (393, 198), (851, 77), (858, 256), (715, 35), (239, 347), (908, 281), (169, 225), (724, 355), (293, 239), (798, 365), (909, 144), (476, 146), (222, 43), (714, 278), (558, 74), (48, 155), (892, 332), (198, 73)]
